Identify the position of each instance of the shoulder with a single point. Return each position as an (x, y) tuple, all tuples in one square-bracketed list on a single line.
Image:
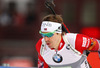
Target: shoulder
[(76, 35), (38, 44), (71, 35)]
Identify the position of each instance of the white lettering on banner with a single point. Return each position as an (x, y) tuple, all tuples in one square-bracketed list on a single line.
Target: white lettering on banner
[(84, 41)]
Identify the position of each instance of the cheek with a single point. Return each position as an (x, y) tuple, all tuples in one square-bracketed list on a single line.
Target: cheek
[(54, 38), (51, 39)]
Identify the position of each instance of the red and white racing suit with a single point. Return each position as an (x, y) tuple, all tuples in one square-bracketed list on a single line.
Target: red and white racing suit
[(65, 56)]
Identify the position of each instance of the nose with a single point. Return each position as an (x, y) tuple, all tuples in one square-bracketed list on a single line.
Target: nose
[(46, 38)]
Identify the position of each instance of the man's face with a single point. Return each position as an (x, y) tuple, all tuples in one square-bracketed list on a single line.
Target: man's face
[(53, 41), (51, 31)]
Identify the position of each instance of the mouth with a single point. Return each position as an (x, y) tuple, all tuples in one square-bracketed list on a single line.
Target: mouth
[(48, 43)]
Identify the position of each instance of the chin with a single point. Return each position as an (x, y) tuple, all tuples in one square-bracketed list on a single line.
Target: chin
[(50, 46)]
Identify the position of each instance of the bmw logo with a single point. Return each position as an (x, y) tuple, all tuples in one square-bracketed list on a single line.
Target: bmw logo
[(57, 58)]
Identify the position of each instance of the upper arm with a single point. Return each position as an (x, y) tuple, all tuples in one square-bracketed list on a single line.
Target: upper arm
[(38, 45), (41, 62), (82, 42)]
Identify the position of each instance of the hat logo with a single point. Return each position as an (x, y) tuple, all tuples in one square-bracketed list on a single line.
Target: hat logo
[(47, 24)]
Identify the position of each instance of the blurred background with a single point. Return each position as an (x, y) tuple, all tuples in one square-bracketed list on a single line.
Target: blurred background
[(20, 22)]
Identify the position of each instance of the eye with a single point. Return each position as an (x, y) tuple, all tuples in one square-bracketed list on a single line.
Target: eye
[(57, 33)]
